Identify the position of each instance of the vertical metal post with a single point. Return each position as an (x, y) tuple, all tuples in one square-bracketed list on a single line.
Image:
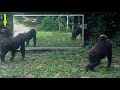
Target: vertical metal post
[(59, 23), (67, 22), (83, 30), (72, 23)]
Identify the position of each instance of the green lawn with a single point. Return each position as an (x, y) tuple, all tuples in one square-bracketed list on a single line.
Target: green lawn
[(56, 39), (58, 64)]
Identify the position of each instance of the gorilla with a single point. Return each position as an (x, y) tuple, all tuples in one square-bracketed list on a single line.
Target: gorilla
[(12, 45), (29, 35), (76, 32), (102, 49), (19, 41)]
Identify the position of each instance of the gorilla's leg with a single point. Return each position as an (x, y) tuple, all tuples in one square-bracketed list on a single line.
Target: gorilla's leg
[(13, 55), (3, 53), (75, 36), (27, 42), (109, 57), (34, 40), (22, 49)]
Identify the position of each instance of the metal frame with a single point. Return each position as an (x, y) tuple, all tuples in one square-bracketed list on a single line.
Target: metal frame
[(82, 15)]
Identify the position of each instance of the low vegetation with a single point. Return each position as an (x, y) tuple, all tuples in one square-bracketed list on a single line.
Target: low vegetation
[(57, 64)]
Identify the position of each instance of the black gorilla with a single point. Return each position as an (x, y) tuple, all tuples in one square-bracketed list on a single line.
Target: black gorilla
[(12, 45), (76, 32), (18, 41), (29, 35), (102, 49)]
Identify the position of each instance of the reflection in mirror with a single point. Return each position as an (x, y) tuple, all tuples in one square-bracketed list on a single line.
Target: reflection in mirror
[(52, 30)]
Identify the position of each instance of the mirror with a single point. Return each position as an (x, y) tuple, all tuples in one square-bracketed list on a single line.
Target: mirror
[(62, 30)]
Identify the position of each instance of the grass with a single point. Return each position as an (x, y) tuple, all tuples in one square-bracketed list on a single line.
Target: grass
[(56, 39), (57, 64), (40, 64)]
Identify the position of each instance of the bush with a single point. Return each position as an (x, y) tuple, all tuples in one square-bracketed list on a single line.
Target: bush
[(52, 24)]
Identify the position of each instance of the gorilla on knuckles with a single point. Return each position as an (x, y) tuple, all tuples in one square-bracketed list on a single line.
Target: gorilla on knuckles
[(29, 35), (102, 49), (76, 32)]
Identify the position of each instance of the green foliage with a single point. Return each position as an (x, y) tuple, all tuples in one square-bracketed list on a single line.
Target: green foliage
[(48, 24), (102, 22), (18, 19), (52, 24), (116, 39), (99, 30)]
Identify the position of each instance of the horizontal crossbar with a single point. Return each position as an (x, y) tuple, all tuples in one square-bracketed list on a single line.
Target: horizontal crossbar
[(49, 48)]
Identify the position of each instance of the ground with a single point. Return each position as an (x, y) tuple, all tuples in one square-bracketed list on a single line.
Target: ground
[(20, 28), (58, 64)]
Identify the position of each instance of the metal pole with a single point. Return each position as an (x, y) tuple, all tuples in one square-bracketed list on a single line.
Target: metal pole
[(83, 30), (67, 23)]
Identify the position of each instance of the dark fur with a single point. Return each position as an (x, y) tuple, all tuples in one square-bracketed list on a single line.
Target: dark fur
[(76, 32), (12, 45), (102, 49), (19, 41), (31, 34)]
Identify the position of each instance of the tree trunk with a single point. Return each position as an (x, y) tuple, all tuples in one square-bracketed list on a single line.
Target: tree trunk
[(8, 30)]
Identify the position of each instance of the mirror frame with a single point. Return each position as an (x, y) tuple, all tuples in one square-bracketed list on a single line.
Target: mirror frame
[(82, 15)]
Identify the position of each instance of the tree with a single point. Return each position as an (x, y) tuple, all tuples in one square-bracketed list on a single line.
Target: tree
[(101, 23), (9, 27)]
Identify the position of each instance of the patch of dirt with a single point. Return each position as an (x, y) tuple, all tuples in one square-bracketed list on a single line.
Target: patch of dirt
[(19, 28)]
